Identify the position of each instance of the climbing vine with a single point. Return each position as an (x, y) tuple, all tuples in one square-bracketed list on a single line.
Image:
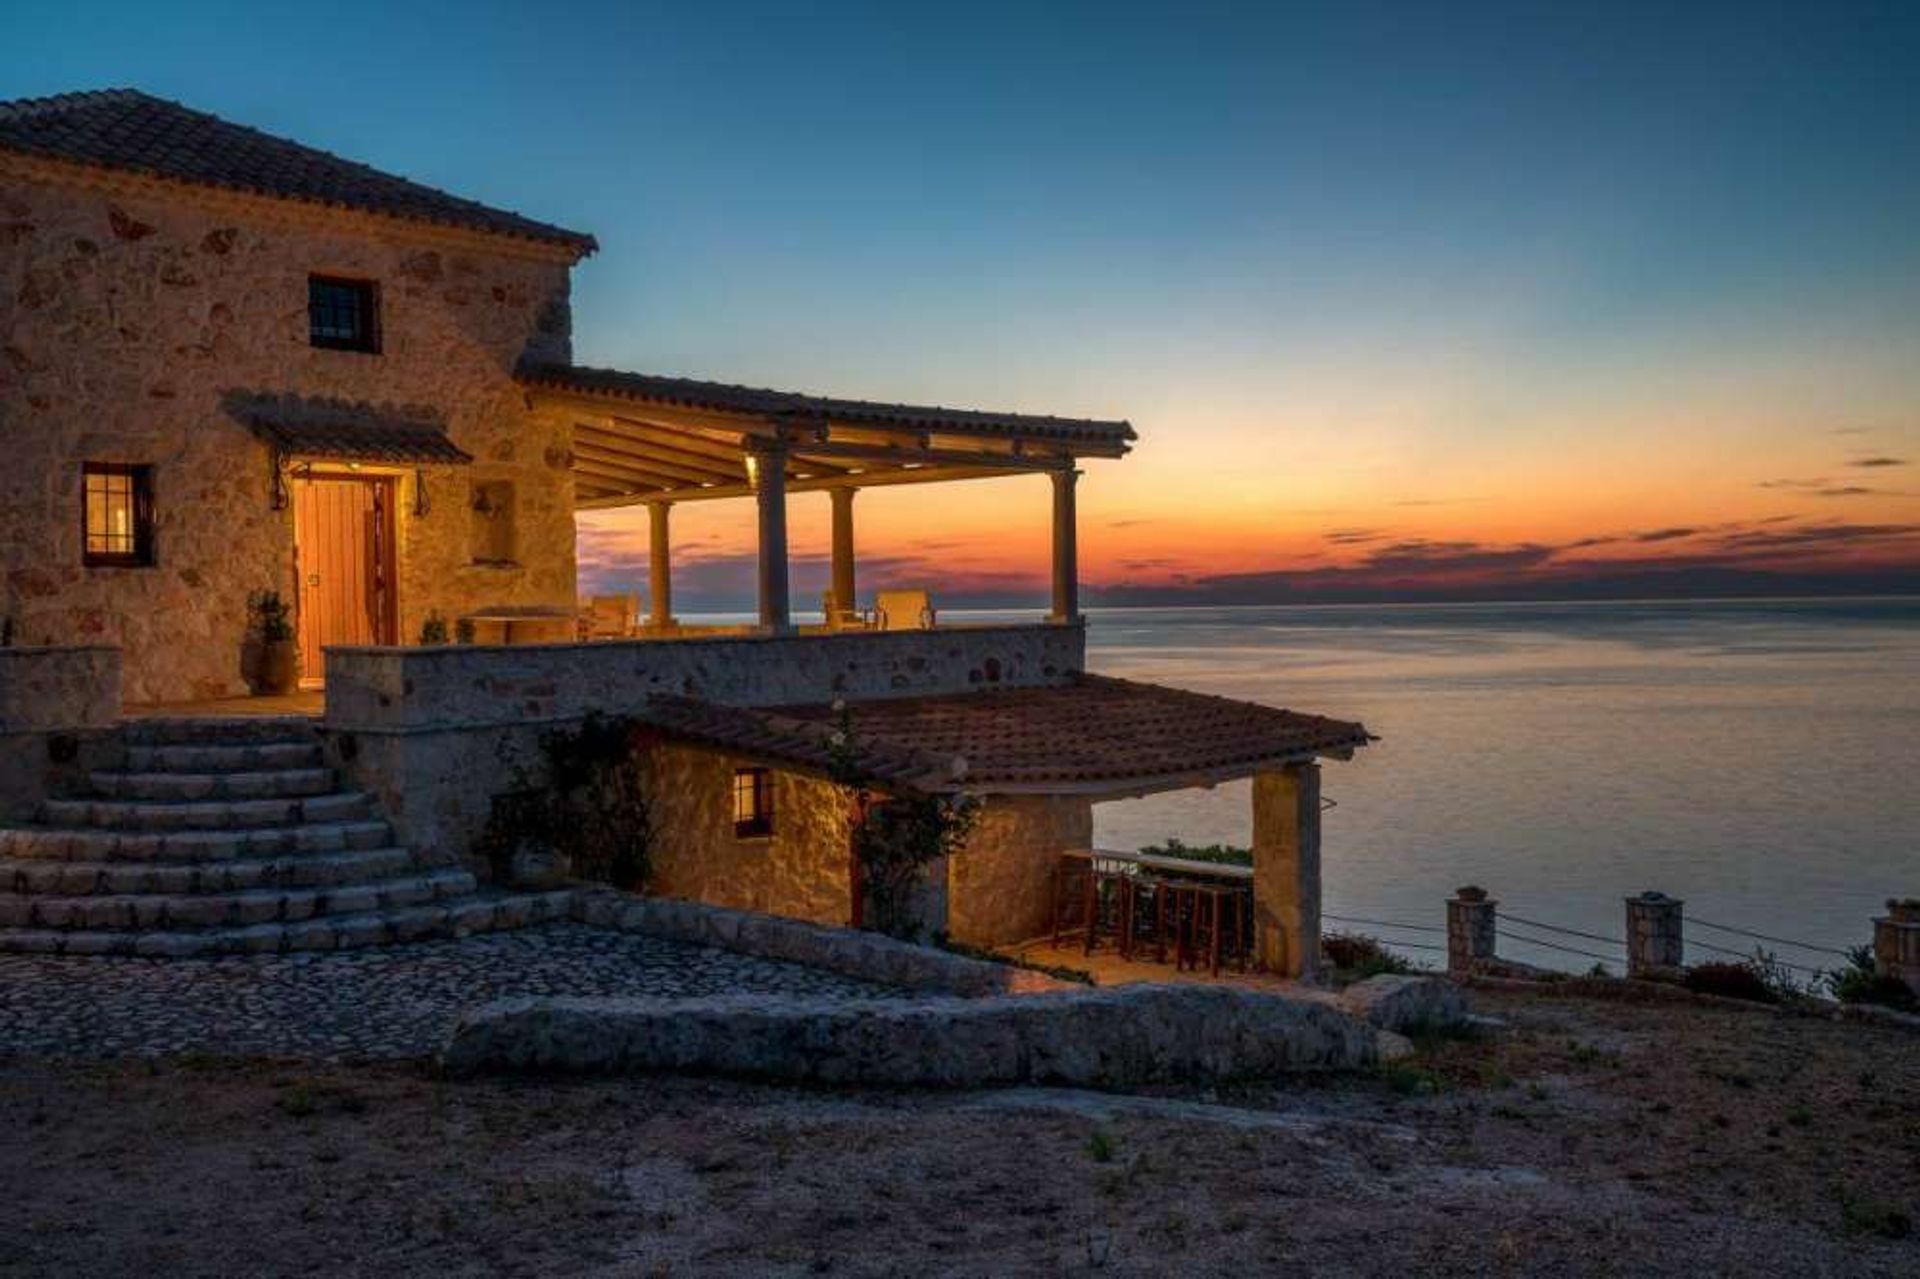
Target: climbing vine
[(588, 805), (896, 837)]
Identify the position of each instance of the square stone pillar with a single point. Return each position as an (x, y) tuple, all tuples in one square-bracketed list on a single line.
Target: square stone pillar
[(1896, 941), (1286, 869), (840, 611), (1471, 916), (1066, 553), (1655, 944)]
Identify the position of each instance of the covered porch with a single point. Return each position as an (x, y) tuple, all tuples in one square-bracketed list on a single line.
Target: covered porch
[(659, 442)]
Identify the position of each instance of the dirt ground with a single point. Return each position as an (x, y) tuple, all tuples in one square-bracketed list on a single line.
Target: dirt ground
[(1590, 1137)]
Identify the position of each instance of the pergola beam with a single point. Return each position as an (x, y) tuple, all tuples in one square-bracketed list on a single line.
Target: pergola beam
[(867, 479)]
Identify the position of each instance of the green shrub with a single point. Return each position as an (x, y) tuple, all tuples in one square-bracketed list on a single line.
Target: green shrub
[(1222, 854), (1361, 955), (1732, 981), (1862, 982)]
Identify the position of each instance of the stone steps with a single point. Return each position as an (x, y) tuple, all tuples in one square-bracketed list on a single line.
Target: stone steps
[(303, 870), (168, 911), (215, 814), (279, 783), (244, 758), (231, 837), (456, 917), (92, 843), (228, 731)]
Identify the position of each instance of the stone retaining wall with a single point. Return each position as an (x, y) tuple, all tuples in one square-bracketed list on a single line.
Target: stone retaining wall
[(868, 956), (1095, 1038), (59, 688), (58, 708)]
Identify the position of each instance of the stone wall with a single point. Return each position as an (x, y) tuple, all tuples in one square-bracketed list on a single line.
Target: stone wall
[(58, 708), (474, 686), (59, 689), (803, 870), (131, 310), (1001, 885)]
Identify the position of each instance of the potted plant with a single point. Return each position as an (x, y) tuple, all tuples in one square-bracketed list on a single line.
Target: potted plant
[(277, 665)]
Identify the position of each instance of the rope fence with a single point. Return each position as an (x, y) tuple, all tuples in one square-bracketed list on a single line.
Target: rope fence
[(1698, 922), (1662, 933)]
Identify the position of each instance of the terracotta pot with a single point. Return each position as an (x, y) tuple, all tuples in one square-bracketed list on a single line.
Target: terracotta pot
[(279, 668)]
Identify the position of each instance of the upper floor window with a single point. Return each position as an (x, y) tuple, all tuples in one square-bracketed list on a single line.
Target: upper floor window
[(752, 802), (118, 512), (343, 315)]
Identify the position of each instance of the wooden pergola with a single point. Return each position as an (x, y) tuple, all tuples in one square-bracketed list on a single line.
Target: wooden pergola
[(657, 441)]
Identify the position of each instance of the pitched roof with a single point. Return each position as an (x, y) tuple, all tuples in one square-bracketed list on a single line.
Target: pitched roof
[(133, 131), (340, 430), (728, 398), (1091, 735)]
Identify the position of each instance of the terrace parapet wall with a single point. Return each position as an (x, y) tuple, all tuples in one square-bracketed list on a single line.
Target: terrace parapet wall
[(58, 709), (414, 690)]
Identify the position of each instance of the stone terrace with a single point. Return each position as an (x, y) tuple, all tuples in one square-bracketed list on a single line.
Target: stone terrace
[(392, 1003)]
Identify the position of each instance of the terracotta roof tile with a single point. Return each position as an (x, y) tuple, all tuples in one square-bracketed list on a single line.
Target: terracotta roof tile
[(1092, 734), (689, 393), (347, 431), (129, 130)]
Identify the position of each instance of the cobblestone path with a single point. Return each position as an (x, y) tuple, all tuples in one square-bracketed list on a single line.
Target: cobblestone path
[(392, 1002)]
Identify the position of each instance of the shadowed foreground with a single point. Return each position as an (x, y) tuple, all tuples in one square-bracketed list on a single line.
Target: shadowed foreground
[(1592, 1137)]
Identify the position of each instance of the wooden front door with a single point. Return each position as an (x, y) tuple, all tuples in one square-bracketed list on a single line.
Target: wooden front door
[(343, 554)]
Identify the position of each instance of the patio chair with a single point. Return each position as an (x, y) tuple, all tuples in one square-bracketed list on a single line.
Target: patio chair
[(610, 616), (903, 611)]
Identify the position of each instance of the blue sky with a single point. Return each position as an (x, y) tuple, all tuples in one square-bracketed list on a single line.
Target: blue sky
[(1339, 263)]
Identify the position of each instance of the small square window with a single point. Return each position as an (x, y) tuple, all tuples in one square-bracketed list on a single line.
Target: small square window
[(117, 515), (343, 315), (752, 803)]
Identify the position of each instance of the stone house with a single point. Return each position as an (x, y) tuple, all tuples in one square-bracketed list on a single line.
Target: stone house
[(230, 363)]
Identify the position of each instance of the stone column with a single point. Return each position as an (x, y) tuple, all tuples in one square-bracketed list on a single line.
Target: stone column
[(1896, 941), (767, 469), (1654, 941), (843, 599), (1470, 930), (1286, 869), (659, 566), (1066, 555)]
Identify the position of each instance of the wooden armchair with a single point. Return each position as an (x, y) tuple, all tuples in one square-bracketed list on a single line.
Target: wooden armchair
[(903, 611), (609, 617)]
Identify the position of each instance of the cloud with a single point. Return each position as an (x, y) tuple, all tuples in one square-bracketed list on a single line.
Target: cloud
[(1793, 484), (1878, 461), (1845, 490), (1132, 523), (1352, 536)]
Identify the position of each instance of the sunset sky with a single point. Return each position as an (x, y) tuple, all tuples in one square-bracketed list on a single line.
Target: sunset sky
[(1409, 299)]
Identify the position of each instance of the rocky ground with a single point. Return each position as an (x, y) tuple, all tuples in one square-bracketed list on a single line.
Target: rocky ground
[(1591, 1137)]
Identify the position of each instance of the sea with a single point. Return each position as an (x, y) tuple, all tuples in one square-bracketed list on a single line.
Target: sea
[(1759, 759)]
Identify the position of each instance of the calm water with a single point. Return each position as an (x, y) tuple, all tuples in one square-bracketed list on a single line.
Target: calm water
[(1759, 759)]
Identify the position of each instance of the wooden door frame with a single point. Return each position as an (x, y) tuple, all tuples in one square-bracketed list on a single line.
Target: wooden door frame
[(386, 495)]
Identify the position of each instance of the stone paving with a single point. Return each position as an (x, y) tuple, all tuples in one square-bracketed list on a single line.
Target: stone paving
[(383, 1003)]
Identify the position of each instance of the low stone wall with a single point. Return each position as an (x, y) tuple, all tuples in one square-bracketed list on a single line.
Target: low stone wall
[(868, 956), (59, 689), (58, 708), (396, 690), (1098, 1038)]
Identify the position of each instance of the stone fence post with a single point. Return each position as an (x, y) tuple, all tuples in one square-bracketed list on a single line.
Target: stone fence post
[(1470, 930), (1896, 941), (1654, 940)]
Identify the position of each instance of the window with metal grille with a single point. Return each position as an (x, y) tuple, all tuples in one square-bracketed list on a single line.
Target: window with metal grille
[(343, 315), (752, 802), (117, 514)]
